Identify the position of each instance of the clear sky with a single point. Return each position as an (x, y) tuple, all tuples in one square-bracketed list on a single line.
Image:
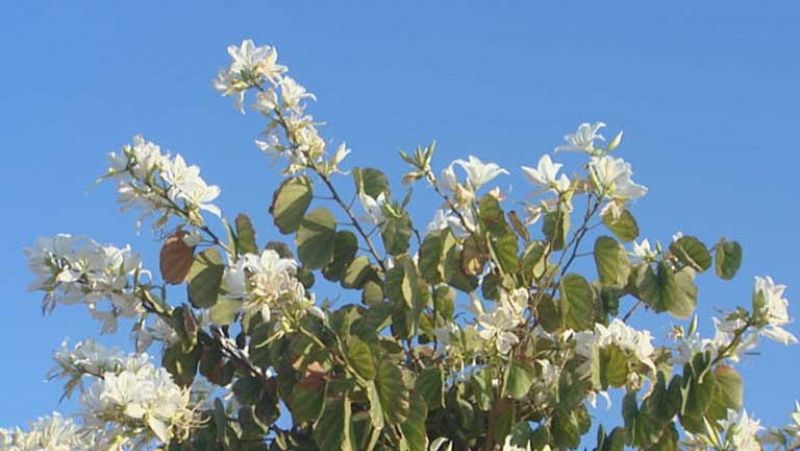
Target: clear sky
[(707, 93)]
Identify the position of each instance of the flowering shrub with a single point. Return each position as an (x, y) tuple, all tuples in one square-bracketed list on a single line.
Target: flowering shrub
[(474, 332)]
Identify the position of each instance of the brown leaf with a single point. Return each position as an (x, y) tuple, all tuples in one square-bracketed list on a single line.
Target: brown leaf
[(176, 258)]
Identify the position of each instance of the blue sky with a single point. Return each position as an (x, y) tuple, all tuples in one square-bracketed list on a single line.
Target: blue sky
[(706, 92)]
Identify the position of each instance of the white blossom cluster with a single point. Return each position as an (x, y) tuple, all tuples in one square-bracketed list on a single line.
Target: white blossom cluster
[(72, 270), (156, 183), (129, 403), (88, 357), (51, 433), (458, 215), (138, 404), (634, 343), (739, 431), (770, 314), (496, 326), (267, 284), (282, 99)]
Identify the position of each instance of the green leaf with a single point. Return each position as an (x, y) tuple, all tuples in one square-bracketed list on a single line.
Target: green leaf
[(728, 259), (444, 301), (315, 238), (624, 227), (246, 234), (392, 393), (396, 234), (453, 274), (533, 261), (664, 290), (224, 311), (182, 365), (370, 181), (520, 379), (577, 302), (357, 273), (429, 385), (555, 228), (360, 358), (491, 216), (504, 250), (613, 367), (691, 252), (414, 427), (728, 392), (612, 262), (332, 430), (205, 278), (290, 202), (307, 399), (344, 251), (430, 256)]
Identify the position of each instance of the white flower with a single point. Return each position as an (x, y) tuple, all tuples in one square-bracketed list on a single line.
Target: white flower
[(479, 173), (185, 183), (266, 101), (73, 270), (249, 58), (637, 344), (373, 207), (612, 177), (546, 175), (642, 250), (293, 93), (583, 139), (52, 433), (741, 431), (267, 284), (250, 65), (448, 181), (773, 307), (496, 327), (145, 397), (678, 235)]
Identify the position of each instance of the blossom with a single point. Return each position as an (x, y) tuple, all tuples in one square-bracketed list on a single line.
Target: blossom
[(448, 181), (137, 400), (88, 357), (612, 177), (293, 93), (185, 183), (72, 270), (373, 207), (642, 250), (637, 344), (741, 431), (250, 66), (496, 327), (545, 175), (583, 139), (51, 433), (772, 308), (267, 283), (478, 172)]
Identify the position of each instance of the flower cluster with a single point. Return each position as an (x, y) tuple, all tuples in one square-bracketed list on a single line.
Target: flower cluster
[(51, 433), (72, 270), (770, 310), (88, 358), (457, 212), (737, 430), (138, 404), (267, 284), (156, 183), (634, 343), (283, 100), (496, 327)]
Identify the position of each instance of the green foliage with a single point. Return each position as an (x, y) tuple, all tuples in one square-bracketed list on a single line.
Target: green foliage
[(315, 238), (290, 202), (727, 259), (205, 278)]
